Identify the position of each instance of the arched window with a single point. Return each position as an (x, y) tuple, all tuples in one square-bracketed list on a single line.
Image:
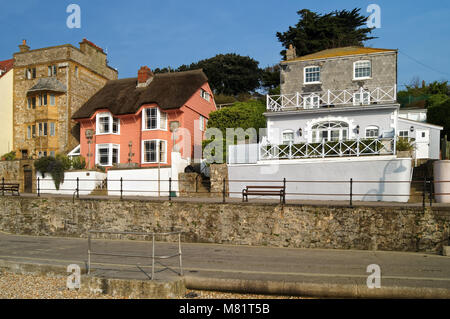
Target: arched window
[(329, 131), (288, 137)]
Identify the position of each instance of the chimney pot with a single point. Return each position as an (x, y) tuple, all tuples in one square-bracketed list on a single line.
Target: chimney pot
[(24, 47), (144, 76)]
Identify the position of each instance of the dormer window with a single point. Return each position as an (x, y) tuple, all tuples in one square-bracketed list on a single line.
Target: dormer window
[(312, 74), (362, 70), (107, 124), (154, 119), (205, 95)]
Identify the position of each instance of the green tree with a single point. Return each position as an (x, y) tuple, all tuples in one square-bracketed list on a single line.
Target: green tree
[(228, 74), (315, 32), (270, 77), (440, 115)]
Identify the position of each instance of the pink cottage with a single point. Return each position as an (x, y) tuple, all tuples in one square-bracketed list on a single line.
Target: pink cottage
[(131, 121)]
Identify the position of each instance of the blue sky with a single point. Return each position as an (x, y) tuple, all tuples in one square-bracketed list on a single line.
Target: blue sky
[(161, 33)]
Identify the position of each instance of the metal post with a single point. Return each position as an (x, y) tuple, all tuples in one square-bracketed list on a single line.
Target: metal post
[(284, 190), (89, 253), (78, 187), (170, 188), (39, 187), (153, 256), (3, 186), (424, 191), (431, 192), (351, 192), (223, 191), (121, 188), (179, 252)]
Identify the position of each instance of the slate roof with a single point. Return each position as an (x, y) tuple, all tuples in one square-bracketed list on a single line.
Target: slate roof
[(48, 84), (337, 52), (168, 91)]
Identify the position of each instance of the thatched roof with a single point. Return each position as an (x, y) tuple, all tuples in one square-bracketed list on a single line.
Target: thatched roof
[(168, 91)]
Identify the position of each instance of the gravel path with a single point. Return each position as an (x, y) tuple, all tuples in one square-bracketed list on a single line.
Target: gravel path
[(28, 286)]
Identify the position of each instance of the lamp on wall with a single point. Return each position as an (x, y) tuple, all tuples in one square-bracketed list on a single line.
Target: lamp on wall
[(357, 129), (411, 129), (299, 132)]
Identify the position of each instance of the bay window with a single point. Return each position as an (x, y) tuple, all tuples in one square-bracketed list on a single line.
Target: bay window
[(107, 154), (107, 124), (154, 151)]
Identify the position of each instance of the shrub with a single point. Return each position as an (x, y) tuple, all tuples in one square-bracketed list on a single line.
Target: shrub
[(78, 162), (404, 145), (11, 156), (54, 166)]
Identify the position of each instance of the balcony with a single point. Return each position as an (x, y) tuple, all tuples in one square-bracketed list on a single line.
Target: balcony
[(252, 153), (316, 100)]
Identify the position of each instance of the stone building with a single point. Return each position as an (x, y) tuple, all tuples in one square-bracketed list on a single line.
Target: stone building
[(50, 85)]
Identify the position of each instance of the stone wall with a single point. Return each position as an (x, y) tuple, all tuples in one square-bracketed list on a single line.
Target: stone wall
[(394, 228), (217, 173), (337, 73), (191, 185), (13, 172)]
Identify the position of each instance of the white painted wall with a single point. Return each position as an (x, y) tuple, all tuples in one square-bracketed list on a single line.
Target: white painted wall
[(144, 181), (377, 170), (88, 181)]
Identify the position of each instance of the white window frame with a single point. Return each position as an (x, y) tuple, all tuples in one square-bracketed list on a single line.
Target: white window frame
[(285, 141), (305, 71), (371, 128), (362, 77), (158, 120), (365, 98), (157, 160), (52, 100), (110, 119), (202, 123), (205, 95), (402, 131), (52, 129), (110, 147), (311, 101)]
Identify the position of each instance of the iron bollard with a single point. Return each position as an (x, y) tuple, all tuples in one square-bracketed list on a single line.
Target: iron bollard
[(39, 187), (3, 186), (78, 188), (223, 191), (351, 192), (121, 188), (170, 188)]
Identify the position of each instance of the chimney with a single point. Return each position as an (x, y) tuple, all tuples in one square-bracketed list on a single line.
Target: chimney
[(290, 53), (24, 47), (145, 76)]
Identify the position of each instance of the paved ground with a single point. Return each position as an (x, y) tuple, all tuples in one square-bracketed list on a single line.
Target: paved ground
[(319, 266), (252, 200)]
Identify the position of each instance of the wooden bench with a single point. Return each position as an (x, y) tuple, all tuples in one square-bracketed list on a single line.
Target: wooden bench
[(264, 191), (10, 187)]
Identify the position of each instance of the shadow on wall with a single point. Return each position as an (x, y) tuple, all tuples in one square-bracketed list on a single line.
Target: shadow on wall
[(392, 167)]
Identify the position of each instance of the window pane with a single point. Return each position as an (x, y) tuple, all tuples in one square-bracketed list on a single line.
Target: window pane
[(163, 121), (45, 129), (104, 124), (288, 138), (312, 74), (115, 155), (103, 155), (162, 151), (115, 125), (150, 151), (52, 99), (362, 69), (151, 120), (52, 129)]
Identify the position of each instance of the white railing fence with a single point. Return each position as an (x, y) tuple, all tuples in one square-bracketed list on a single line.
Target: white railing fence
[(361, 96), (358, 147)]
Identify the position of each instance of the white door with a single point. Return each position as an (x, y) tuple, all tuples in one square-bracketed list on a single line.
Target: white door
[(422, 143)]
